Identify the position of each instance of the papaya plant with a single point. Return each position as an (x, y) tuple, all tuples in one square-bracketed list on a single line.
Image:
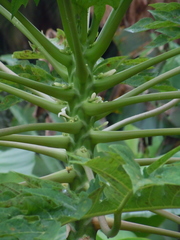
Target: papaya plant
[(101, 179)]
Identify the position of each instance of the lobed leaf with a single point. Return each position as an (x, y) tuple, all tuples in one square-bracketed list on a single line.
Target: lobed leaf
[(120, 176), (37, 202)]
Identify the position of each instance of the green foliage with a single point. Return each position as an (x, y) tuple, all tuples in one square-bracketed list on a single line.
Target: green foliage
[(166, 21), (54, 204), (16, 4), (65, 143)]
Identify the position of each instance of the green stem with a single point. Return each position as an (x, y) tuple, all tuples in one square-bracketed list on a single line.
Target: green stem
[(59, 154), (70, 28), (105, 37), (168, 215), (34, 35), (152, 82), (129, 226), (111, 81), (93, 31), (93, 109), (63, 176), (41, 102), (142, 116), (66, 127), (147, 229), (7, 70), (112, 136), (148, 161), (83, 23), (63, 94), (117, 217), (48, 141)]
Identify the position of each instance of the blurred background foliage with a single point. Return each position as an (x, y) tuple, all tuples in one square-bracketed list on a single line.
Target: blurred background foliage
[(45, 17)]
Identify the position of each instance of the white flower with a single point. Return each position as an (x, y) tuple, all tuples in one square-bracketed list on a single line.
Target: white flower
[(63, 113)]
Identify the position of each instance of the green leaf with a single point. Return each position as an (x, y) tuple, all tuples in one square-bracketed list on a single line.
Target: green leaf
[(7, 58), (39, 72), (165, 6), (172, 16), (160, 24), (122, 235), (99, 6), (134, 238), (159, 41), (140, 25), (119, 176), (8, 101), (23, 115), (46, 165), (173, 32), (27, 54), (159, 191), (46, 200), (27, 228), (16, 4), (17, 160), (161, 161), (116, 63)]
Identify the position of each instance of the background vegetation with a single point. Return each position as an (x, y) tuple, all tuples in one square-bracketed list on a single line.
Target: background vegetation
[(124, 43)]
